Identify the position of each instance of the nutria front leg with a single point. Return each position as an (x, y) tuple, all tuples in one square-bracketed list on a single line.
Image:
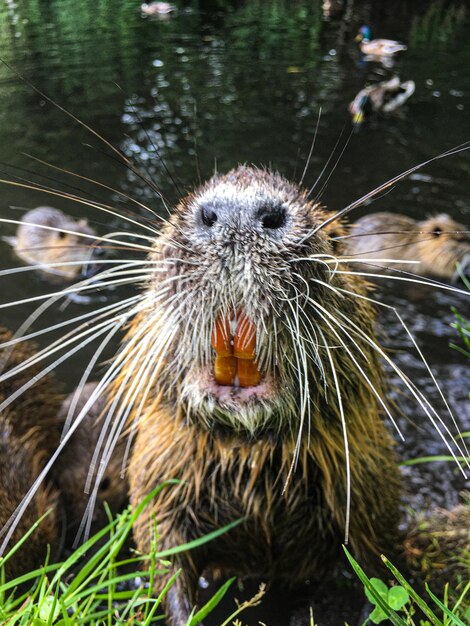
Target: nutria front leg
[(181, 598), (177, 606)]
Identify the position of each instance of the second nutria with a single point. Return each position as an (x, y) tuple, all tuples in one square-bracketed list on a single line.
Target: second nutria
[(55, 242), (30, 430), (437, 244), (29, 434), (259, 387)]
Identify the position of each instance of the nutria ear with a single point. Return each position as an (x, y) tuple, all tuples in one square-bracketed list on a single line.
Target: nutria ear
[(83, 222)]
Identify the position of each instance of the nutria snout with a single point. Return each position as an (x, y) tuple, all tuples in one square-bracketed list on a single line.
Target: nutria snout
[(389, 241), (57, 244)]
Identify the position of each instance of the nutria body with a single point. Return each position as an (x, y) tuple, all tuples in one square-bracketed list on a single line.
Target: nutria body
[(437, 244), (29, 434), (60, 245), (260, 366)]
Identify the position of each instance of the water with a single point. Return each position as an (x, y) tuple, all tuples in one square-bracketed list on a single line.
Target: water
[(221, 83)]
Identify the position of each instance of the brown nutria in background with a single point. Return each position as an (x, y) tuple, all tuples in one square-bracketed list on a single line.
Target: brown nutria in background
[(29, 434), (263, 364), (49, 238), (71, 469), (437, 243)]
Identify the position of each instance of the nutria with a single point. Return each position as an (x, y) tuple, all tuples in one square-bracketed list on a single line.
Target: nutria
[(254, 367), (55, 242), (437, 244), (71, 468), (29, 434), (30, 430)]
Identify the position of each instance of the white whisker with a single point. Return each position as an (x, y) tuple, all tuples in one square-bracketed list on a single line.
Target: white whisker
[(345, 438)]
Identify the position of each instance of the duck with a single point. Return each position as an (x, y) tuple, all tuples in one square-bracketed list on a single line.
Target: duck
[(384, 97), (157, 8), (377, 47)]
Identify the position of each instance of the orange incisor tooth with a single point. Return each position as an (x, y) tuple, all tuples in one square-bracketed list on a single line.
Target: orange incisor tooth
[(244, 342), (225, 370), (222, 337), (248, 373)]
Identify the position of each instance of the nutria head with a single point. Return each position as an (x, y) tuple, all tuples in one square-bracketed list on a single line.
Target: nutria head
[(243, 317), (61, 245), (393, 242), (446, 243)]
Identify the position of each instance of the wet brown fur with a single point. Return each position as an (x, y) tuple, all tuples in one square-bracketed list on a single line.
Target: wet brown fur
[(438, 243), (29, 433), (225, 475)]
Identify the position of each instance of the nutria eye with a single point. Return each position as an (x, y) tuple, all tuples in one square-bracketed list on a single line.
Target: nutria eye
[(274, 218), (61, 234), (437, 231), (105, 484), (208, 216)]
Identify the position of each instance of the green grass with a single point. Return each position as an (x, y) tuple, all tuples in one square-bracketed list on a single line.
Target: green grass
[(402, 605), (102, 584), (101, 589), (461, 324)]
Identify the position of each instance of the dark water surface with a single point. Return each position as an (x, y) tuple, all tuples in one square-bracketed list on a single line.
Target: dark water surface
[(221, 83)]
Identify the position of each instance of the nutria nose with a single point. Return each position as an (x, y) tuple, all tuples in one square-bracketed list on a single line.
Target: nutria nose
[(266, 218), (272, 218), (208, 216)]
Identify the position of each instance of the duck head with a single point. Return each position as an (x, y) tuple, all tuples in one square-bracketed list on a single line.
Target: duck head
[(364, 34)]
